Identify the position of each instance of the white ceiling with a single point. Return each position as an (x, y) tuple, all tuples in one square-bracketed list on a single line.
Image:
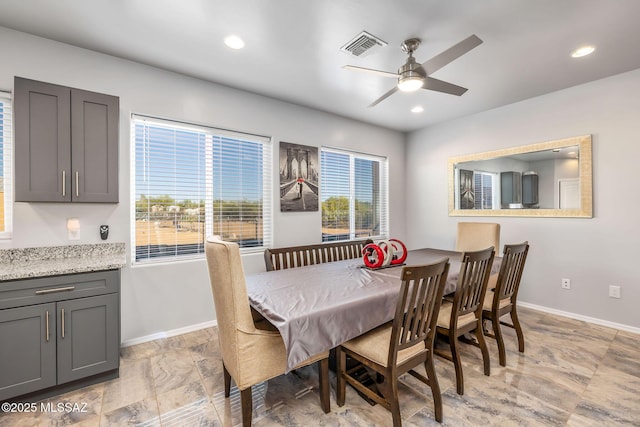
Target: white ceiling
[(293, 46)]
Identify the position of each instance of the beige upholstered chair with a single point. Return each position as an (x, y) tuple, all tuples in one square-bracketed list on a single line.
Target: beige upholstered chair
[(464, 314), (399, 346), (502, 293), (474, 236), (251, 352)]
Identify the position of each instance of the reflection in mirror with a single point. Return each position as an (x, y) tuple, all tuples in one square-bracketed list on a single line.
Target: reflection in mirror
[(547, 179)]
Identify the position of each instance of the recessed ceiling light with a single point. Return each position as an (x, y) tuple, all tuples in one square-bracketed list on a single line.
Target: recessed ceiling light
[(582, 51), (556, 150), (234, 42), (417, 109)]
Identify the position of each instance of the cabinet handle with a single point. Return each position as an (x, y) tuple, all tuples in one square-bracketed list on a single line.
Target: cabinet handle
[(47, 325), (77, 184), (62, 315), (52, 291), (64, 183)]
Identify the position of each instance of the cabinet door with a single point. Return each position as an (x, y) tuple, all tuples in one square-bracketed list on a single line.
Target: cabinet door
[(42, 142), (88, 336), (27, 349), (94, 152)]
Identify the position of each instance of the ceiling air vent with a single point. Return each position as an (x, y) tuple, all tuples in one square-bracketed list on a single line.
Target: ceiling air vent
[(363, 44)]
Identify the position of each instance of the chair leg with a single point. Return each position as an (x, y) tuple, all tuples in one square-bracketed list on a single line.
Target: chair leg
[(484, 349), (395, 403), (246, 403), (435, 386), (455, 357), (518, 328), (497, 333), (323, 373), (341, 360), (227, 381), (389, 390)]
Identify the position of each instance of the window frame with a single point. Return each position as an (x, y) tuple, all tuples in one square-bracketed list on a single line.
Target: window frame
[(383, 195), (211, 133), (7, 164)]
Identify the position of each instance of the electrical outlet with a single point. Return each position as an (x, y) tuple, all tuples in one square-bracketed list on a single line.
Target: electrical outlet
[(614, 291), (73, 229), (566, 283)]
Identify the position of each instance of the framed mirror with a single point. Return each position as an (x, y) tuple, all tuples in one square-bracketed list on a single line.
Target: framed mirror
[(548, 179)]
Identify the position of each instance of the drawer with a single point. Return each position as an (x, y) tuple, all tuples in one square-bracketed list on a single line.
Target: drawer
[(18, 293)]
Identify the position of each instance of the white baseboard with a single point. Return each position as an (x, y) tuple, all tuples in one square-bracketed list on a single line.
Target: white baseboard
[(171, 333), (588, 319)]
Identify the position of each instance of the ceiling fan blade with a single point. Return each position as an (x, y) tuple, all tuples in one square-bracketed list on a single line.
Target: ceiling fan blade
[(434, 64), (441, 86), (371, 70), (385, 96)]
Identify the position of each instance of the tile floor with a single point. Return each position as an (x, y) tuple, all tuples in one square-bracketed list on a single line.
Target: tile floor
[(572, 373)]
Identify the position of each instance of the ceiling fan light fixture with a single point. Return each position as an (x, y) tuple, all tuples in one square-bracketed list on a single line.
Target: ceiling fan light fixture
[(410, 83)]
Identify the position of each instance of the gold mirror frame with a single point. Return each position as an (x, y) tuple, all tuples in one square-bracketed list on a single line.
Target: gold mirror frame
[(586, 202)]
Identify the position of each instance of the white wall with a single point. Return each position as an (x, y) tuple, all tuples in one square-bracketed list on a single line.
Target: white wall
[(162, 298), (593, 253)]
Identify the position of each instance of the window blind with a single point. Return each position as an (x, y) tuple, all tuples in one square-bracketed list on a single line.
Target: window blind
[(6, 161), (192, 181), (354, 194), (484, 190)]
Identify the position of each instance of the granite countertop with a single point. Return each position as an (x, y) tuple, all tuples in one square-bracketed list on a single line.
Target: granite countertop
[(23, 263)]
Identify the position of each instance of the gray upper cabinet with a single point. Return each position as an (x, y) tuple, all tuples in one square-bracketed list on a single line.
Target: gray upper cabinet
[(43, 141), (66, 144)]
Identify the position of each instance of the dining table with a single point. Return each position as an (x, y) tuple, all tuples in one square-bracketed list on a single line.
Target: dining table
[(318, 307)]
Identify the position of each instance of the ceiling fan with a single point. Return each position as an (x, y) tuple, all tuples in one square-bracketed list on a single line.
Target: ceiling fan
[(413, 76)]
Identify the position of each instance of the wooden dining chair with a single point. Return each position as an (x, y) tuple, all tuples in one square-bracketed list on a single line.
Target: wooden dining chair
[(502, 293), (252, 352), (463, 314), (474, 236), (401, 345), (300, 256)]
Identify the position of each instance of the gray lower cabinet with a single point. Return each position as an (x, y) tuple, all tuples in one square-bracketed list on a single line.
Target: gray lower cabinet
[(69, 331), (88, 340), (66, 144), (27, 349)]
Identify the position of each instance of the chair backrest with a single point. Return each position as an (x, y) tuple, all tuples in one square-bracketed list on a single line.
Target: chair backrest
[(418, 306), (472, 281), (230, 298), (299, 256), (510, 273), (474, 236)]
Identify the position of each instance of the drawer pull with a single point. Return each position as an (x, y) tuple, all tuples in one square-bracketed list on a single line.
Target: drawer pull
[(62, 315), (53, 291), (47, 323)]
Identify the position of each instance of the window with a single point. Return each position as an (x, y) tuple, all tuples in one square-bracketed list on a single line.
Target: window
[(193, 181), (5, 166), (485, 190), (354, 190)]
